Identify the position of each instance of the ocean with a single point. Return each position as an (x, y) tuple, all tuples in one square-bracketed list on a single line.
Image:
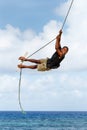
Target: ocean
[(13, 120)]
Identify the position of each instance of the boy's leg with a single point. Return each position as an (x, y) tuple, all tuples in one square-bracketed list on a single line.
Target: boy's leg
[(34, 61), (30, 60), (25, 66)]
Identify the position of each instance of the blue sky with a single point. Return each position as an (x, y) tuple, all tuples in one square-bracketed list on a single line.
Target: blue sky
[(27, 25), (27, 13)]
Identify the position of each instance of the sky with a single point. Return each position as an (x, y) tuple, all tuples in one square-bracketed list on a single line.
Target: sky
[(27, 25)]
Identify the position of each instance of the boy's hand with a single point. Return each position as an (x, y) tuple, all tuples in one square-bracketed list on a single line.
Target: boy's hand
[(60, 32), (59, 35)]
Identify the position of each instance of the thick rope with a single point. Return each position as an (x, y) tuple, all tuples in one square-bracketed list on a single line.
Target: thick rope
[(41, 48), (37, 51), (19, 91), (67, 14), (61, 29)]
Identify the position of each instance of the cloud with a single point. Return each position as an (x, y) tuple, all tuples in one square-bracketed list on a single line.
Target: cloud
[(75, 35), (54, 90), (15, 42)]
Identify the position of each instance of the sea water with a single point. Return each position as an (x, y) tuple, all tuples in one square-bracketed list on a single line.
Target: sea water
[(13, 120)]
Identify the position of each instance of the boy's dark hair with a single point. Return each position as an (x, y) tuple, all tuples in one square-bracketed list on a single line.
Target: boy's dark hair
[(66, 47)]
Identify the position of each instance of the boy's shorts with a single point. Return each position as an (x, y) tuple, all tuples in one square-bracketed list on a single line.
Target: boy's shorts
[(43, 65)]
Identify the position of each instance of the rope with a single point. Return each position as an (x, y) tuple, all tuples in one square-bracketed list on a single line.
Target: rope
[(19, 96), (41, 48), (61, 29), (36, 52), (67, 14), (19, 90)]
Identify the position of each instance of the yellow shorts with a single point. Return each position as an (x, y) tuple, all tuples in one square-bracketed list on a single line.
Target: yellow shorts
[(43, 65)]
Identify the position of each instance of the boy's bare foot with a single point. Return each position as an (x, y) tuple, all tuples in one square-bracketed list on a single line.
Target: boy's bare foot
[(21, 66), (22, 58)]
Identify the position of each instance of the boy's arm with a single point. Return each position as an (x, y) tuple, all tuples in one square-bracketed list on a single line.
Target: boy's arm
[(58, 39), (58, 45)]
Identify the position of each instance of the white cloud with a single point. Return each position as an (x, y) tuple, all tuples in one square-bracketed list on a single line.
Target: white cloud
[(57, 89), (75, 36)]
